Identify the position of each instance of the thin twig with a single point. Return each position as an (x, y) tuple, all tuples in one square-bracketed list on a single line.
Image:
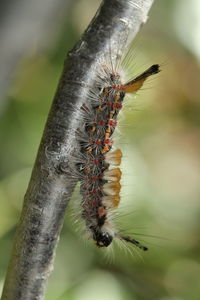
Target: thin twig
[(51, 186)]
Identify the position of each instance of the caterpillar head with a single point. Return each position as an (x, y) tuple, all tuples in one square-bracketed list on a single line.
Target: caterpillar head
[(102, 238)]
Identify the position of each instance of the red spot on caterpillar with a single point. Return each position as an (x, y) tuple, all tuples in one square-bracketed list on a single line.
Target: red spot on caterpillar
[(102, 122), (112, 122), (107, 141), (119, 87), (93, 192), (117, 105), (94, 203), (98, 142), (96, 161), (109, 104)]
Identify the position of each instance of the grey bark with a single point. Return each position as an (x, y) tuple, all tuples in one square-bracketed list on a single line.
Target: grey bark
[(51, 186)]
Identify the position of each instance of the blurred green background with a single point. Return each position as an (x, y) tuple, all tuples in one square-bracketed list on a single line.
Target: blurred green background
[(160, 140)]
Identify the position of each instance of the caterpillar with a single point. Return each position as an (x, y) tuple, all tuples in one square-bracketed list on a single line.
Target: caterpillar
[(99, 171)]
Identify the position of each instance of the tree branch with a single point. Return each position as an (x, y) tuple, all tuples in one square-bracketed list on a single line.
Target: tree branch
[(50, 187)]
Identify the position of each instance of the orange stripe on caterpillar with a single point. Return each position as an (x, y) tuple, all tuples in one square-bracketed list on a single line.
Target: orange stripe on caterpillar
[(113, 175), (114, 157), (111, 201), (112, 188), (135, 84)]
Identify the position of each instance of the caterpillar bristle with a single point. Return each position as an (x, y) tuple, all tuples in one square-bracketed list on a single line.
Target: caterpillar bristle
[(133, 241), (135, 84)]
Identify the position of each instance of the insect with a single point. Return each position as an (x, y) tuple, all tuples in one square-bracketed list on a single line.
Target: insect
[(99, 170)]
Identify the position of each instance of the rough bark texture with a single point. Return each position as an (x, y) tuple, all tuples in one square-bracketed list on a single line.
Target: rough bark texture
[(50, 188)]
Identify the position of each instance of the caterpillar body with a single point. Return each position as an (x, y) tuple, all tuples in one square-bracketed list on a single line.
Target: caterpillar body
[(99, 171)]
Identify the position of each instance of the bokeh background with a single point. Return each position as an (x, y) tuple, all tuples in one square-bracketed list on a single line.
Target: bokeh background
[(160, 140)]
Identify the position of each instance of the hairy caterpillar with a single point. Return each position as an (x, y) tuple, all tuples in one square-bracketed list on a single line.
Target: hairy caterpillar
[(100, 183)]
